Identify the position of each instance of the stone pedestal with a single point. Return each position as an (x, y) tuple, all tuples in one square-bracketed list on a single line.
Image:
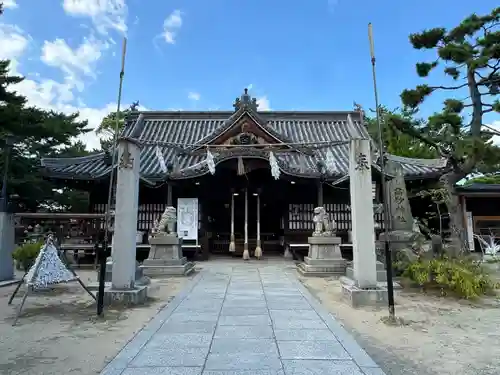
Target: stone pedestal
[(7, 245), (324, 258), (165, 257)]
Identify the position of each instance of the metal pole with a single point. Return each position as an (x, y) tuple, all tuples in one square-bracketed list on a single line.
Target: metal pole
[(102, 272), (387, 249)]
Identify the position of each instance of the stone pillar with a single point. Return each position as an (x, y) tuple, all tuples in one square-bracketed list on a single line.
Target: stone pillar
[(363, 234), (127, 202), (401, 235), (360, 286), (7, 244), (397, 198)]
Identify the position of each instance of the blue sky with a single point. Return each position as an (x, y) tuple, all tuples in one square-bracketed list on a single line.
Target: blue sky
[(198, 55)]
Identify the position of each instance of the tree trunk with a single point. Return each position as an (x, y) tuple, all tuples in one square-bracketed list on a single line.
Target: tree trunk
[(458, 236)]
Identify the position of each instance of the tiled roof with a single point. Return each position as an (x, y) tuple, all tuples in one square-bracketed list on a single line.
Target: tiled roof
[(479, 188), (414, 168), (199, 128)]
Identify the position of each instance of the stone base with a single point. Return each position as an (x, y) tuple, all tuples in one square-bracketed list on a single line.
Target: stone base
[(356, 297), (140, 279), (131, 297), (381, 273), (9, 282), (322, 267), (171, 267)]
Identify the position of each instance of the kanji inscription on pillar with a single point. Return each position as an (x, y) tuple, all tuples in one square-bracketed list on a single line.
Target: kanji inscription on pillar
[(362, 162)]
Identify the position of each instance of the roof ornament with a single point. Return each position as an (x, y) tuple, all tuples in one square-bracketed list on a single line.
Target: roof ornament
[(246, 102)]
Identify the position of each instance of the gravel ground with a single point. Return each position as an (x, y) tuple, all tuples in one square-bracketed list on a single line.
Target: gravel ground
[(438, 335), (59, 333)]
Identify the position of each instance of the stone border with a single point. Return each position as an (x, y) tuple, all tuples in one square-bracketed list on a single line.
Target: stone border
[(357, 353), (119, 363)]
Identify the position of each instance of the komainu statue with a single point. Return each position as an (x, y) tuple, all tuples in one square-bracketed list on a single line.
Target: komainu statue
[(165, 225), (322, 224)]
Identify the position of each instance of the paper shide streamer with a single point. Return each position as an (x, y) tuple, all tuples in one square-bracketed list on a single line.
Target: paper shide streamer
[(275, 169), (210, 162), (161, 160)]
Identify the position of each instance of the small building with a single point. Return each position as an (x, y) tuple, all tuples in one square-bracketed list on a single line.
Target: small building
[(301, 142), (481, 206)]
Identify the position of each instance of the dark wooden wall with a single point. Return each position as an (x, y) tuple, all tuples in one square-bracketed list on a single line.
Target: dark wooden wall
[(299, 199)]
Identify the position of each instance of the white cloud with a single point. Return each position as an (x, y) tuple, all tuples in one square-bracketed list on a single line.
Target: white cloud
[(10, 4), (48, 93), (13, 42), (73, 63), (105, 14), (263, 103), (171, 26), (194, 96)]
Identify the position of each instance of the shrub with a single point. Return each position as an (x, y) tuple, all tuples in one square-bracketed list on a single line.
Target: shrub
[(27, 253), (461, 277)]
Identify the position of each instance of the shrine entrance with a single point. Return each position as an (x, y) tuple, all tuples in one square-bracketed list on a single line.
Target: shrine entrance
[(224, 194)]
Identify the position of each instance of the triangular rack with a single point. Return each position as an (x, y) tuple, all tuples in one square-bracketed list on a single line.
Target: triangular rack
[(48, 269)]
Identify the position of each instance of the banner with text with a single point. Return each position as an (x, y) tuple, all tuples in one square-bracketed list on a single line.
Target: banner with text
[(187, 218)]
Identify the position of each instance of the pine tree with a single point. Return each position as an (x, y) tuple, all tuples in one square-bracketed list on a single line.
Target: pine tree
[(470, 57)]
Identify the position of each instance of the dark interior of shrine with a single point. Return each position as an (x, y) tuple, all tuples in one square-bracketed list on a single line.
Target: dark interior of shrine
[(215, 193)]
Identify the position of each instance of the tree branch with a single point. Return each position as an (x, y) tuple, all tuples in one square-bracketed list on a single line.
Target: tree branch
[(448, 87)]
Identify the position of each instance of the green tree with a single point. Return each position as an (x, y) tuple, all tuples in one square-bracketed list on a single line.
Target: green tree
[(470, 57), (35, 133), (395, 141), (108, 124)]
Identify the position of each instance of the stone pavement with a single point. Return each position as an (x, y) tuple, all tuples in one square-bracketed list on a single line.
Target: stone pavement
[(243, 319)]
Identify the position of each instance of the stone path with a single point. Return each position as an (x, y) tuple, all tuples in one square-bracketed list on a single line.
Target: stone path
[(243, 319)]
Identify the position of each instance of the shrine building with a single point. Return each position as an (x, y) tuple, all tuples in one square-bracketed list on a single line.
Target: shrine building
[(275, 165)]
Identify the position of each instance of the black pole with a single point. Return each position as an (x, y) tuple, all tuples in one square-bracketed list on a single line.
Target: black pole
[(107, 216), (387, 248), (102, 247)]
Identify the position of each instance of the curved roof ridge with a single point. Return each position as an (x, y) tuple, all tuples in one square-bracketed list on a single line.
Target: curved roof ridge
[(72, 160), (435, 162)]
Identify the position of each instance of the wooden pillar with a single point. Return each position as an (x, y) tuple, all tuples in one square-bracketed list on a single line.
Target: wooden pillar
[(169, 194), (246, 253), (320, 194)]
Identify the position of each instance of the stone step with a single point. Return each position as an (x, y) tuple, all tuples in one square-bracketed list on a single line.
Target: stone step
[(381, 275)]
